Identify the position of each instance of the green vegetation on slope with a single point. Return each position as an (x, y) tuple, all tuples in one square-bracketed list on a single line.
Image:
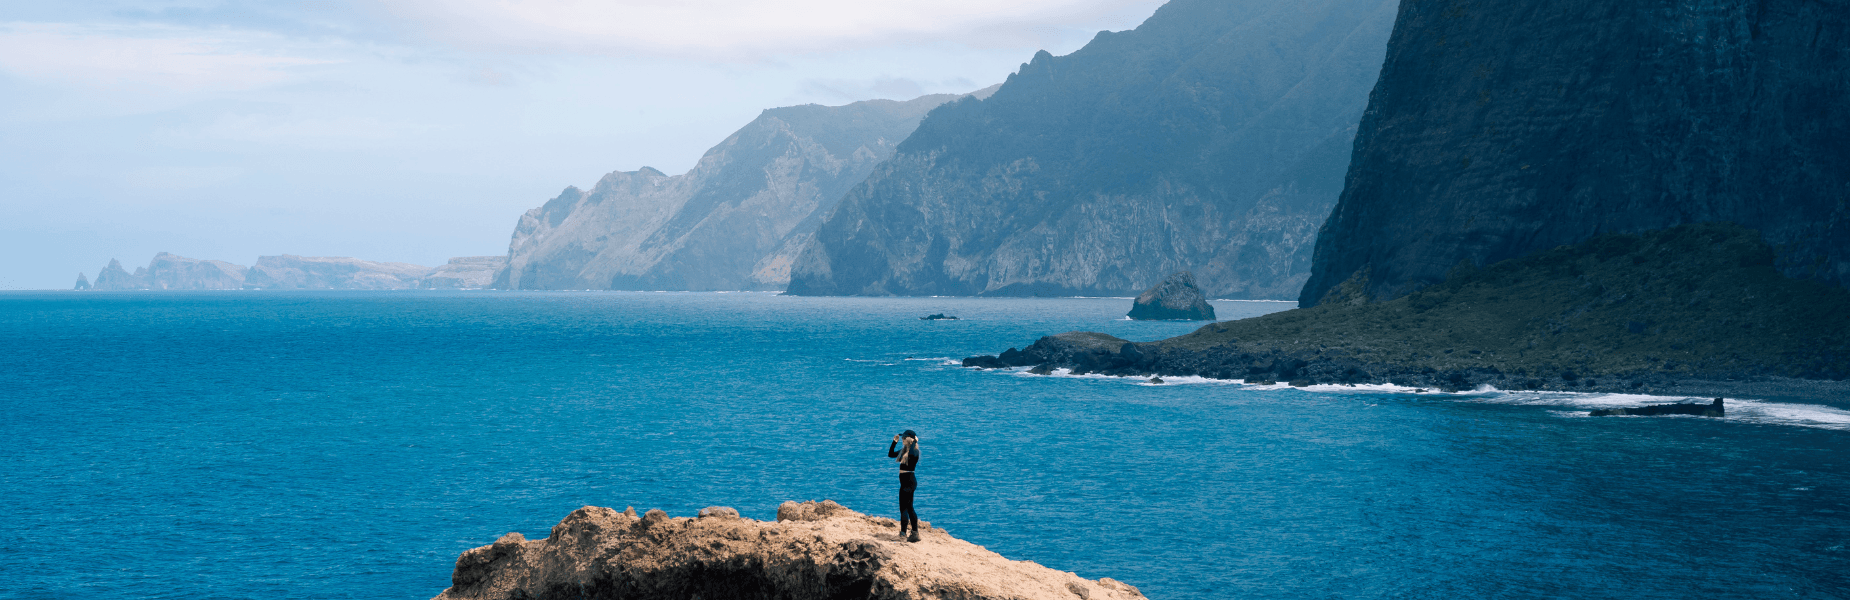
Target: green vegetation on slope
[(1695, 301)]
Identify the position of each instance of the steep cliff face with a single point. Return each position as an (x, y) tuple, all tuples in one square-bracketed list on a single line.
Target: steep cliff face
[(1690, 309), (1212, 138), (815, 550), (1504, 127), (114, 277), (172, 272), (464, 273), (735, 222), (289, 272)]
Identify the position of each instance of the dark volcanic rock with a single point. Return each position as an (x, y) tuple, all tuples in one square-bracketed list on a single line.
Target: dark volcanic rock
[(1211, 138), (1712, 409), (1505, 127), (1674, 311), (1176, 298)]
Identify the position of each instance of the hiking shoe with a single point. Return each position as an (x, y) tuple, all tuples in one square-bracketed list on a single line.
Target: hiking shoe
[(914, 537)]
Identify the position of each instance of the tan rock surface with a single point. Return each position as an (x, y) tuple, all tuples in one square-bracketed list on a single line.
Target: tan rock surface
[(815, 550)]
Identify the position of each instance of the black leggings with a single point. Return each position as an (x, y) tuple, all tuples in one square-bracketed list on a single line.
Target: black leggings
[(908, 518)]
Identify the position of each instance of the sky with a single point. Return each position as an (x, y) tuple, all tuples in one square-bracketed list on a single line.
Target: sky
[(419, 130)]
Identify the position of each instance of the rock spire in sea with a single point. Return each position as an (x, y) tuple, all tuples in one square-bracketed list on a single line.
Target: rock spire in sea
[(1176, 298)]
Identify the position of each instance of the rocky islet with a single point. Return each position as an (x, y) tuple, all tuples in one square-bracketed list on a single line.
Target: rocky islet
[(1176, 298)]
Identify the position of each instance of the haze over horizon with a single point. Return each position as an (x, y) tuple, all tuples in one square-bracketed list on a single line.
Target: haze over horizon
[(415, 131)]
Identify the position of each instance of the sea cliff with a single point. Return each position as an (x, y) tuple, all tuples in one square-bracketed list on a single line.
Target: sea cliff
[(1500, 128), (734, 222), (1698, 309), (1212, 138), (814, 550)]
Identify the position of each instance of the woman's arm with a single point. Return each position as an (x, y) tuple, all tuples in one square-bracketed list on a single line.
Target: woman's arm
[(891, 451)]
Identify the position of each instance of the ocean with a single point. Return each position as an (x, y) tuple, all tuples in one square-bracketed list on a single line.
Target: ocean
[(352, 444)]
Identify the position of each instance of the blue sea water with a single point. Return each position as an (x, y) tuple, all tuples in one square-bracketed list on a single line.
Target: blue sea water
[(351, 445)]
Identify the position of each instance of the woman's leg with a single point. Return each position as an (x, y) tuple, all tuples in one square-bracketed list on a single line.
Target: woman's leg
[(908, 518)]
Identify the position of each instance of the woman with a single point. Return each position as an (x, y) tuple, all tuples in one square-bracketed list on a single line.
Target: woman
[(908, 456)]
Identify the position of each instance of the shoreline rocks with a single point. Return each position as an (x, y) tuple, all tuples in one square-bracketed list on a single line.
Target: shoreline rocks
[(1693, 310), (815, 550), (1713, 409)]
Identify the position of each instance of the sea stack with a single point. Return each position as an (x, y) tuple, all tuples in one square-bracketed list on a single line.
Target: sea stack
[(814, 550), (83, 283), (1175, 299)]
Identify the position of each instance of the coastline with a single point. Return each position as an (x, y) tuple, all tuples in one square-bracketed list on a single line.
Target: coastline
[(1314, 364)]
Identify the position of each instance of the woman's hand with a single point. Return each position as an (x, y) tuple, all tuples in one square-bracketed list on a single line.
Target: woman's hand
[(895, 438)]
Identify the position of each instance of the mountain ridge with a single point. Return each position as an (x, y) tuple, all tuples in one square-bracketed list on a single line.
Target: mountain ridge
[(1189, 143), (733, 222)]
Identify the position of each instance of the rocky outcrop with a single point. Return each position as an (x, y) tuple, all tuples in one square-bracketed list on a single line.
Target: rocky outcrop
[(1712, 409), (734, 222), (289, 272), (1212, 138), (464, 273), (819, 551), (1677, 311), (1176, 298), (114, 277), (83, 283), (1500, 128), (171, 272)]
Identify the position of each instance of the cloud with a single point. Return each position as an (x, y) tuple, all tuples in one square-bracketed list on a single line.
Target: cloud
[(747, 29), (145, 56)]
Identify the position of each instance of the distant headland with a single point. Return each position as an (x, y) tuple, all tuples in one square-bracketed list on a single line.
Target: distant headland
[(288, 272)]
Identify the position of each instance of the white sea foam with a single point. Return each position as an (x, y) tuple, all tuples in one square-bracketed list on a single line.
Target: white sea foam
[(1739, 410)]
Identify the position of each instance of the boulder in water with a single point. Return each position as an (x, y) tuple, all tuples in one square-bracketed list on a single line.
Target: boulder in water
[(1175, 299), (1712, 409)]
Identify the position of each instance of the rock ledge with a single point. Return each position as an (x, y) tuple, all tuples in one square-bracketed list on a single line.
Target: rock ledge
[(818, 550)]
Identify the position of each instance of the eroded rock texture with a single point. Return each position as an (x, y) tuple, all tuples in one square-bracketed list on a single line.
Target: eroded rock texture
[(1212, 138), (1505, 127), (735, 222), (1176, 298), (819, 551)]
